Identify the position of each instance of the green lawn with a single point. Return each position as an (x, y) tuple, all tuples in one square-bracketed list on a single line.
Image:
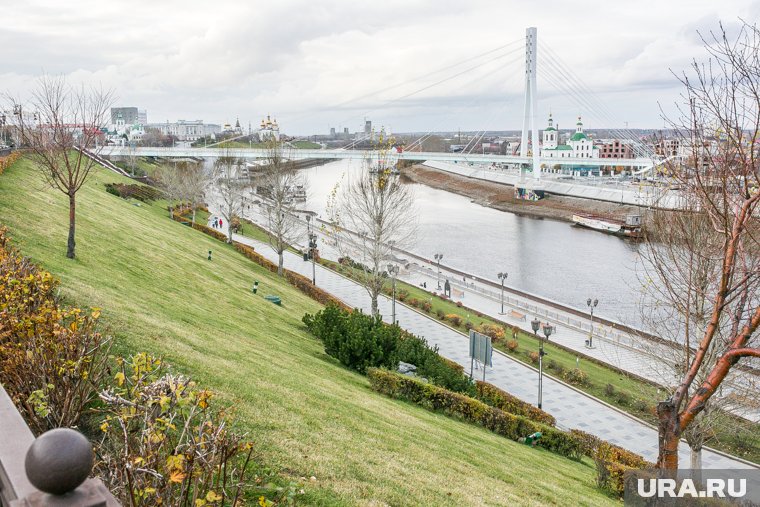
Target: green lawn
[(306, 145), (308, 415)]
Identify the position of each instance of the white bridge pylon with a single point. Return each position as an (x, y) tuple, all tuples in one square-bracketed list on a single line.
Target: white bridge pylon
[(531, 101)]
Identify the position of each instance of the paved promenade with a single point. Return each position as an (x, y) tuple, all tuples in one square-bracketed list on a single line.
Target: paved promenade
[(570, 407), (634, 354)]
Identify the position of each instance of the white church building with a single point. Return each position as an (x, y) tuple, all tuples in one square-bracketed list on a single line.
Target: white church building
[(579, 145)]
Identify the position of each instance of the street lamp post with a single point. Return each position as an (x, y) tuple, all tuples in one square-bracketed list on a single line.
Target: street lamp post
[(438, 258), (313, 251), (503, 278), (393, 271), (535, 325), (591, 305), (548, 330)]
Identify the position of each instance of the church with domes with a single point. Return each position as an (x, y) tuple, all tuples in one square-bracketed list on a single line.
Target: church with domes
[(269, 129), (579, 145)]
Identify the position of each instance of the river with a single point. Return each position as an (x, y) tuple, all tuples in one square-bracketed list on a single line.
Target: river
[(546, 257)]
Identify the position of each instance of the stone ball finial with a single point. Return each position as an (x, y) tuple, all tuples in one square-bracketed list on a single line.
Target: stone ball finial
[(58, 461)]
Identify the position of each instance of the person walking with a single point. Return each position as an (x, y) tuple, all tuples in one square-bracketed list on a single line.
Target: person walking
[(221, 225), (216, 222)]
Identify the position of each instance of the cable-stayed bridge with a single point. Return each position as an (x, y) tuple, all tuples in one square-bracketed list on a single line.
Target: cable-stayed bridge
[(337, 154)]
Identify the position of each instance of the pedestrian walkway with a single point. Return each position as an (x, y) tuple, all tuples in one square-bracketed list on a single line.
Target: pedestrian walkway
[(634, 354), (571, 408)]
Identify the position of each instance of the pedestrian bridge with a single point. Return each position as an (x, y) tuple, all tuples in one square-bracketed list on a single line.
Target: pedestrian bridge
[(298, 154)]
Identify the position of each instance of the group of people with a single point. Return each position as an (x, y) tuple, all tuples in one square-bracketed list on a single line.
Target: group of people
[(218, 223)]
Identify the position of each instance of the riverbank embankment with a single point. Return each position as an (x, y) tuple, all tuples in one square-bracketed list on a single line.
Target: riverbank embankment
[(502, 197)]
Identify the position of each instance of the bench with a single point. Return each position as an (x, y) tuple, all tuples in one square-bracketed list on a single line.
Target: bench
[(517, 315), (274, 299)]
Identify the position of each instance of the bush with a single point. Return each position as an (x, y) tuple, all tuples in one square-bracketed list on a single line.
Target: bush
[(426, 306), (609, 390), (642, 406), (495, 397), (577, 377), (623, 398), (357, 340), (402, 294), (471, 410), (432, 366), (52, 358), (162, 443), (495, 332), (611, 460), (459, 304), (360, 341), (512, 345), (455, 319), (468, 325), (142, 193), (533, 356), (440, 314), (6, 162)]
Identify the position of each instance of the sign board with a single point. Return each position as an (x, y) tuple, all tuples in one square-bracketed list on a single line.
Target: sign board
[(481, 349)]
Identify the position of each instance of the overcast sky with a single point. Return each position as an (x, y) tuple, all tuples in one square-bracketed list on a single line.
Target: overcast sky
[(437, 65)]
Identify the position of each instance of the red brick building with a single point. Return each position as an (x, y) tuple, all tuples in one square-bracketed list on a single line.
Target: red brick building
[(614, 149)]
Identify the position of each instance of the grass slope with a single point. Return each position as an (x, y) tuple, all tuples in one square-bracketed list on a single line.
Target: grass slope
[(308, 415)]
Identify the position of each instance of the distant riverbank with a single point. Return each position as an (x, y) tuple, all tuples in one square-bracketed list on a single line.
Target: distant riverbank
[(502, 197)]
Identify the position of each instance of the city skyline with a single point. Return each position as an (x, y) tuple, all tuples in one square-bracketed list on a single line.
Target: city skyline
[(316, 66)]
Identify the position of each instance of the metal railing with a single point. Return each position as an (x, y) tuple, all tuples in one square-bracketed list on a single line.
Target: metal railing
[(51, 469)]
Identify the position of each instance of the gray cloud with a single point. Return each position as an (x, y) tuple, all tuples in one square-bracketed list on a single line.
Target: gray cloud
[(298, 59)]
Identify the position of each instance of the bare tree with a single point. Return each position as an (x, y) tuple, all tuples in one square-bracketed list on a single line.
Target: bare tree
[(131, 157), (66, 122), (279, 182), (707, 264), (186, 182), (231, 187), (370, 216)]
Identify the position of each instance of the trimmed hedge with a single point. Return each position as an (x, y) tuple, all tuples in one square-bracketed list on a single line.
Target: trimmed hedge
[(492, 395), (471, 410), (591, 445), (612, 461), (142, 193), (6, 162)]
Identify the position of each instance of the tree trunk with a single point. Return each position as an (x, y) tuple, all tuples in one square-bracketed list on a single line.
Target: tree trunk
[(669, 435), (375, 310), (193, 215), (280, 262), (229, 232), (696, 459), (72, 226)]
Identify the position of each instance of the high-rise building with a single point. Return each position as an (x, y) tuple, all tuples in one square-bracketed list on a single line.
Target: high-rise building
[(367, 126)]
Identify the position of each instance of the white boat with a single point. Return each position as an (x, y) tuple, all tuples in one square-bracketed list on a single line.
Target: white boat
[(630, 227)]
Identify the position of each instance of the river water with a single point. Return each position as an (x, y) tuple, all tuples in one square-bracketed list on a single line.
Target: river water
[(545, 257)]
